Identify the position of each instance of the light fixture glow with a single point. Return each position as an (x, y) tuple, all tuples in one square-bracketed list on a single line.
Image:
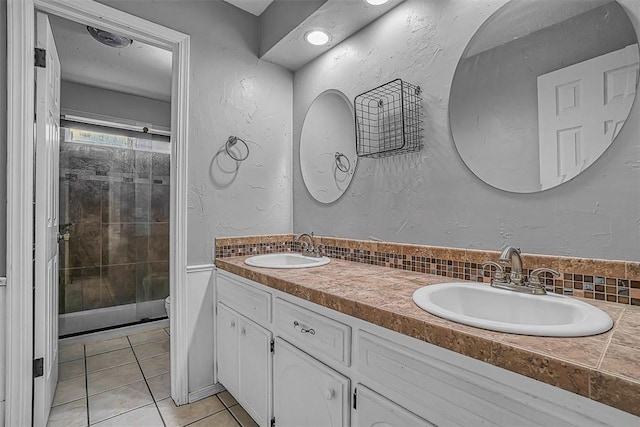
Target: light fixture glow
[(317, 37), (376, 2)]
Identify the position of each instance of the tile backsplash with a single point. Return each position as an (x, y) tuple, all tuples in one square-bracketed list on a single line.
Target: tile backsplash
[(606, 280)]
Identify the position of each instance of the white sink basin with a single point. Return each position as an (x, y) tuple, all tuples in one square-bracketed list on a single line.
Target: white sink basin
[(286, 260), (483, 306)]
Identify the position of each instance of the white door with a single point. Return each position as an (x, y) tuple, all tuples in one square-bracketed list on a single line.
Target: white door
[(306, 392), (227, 349), (373, 410), (46, 221), (255, 371), (581, 109)]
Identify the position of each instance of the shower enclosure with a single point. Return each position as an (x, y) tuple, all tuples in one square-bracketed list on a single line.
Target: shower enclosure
[(114, 216)]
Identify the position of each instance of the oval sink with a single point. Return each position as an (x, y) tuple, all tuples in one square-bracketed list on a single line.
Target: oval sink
[(482, 306), (286, 260)]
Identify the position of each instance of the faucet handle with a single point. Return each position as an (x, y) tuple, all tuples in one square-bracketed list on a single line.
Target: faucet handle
[(534, 276), (500, 275)]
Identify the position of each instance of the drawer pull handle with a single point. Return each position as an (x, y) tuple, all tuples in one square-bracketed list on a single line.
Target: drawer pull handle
[(329, 394), (303, 330)]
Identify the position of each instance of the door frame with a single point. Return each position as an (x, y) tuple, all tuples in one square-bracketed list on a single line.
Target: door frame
[(20, 171)]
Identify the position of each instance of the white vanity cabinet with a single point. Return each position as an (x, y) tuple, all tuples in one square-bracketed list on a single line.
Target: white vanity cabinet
[(307, 392), (398, 380), (244, 362), (373, 410)]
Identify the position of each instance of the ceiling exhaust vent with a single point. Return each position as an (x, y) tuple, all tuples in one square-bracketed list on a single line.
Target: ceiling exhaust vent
[(109, 39)]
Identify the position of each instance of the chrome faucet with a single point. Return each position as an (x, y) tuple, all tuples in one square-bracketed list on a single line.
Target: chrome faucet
[(309, 247), (515, 281), (511, 255)]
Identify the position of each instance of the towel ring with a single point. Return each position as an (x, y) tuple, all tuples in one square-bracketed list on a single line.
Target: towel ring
[(231, 141), (340, 163)]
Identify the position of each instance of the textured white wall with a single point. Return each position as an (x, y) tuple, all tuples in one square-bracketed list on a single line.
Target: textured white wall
[(432, 198), (232, 93)]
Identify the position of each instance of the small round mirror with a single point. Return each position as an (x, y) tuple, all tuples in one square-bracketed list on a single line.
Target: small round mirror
[(542, 90), (327, 146)]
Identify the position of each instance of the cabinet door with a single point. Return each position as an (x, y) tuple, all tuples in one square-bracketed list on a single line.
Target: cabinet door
[(374, 410), (306, 392), (227, 348), (254, 344)]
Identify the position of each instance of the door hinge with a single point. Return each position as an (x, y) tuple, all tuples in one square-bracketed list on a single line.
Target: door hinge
[(273, 422), (355, 398), (272, 346), (41, 58), (38, 367)]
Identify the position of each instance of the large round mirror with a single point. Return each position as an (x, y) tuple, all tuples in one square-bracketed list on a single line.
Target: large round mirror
[(541, 91), (327, 146)]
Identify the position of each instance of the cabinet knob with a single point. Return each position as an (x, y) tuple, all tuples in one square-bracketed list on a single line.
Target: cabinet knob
[(329, 394), (232, 323), (243, 331)]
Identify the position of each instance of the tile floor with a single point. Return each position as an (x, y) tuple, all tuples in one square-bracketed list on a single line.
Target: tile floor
[(125, 382)]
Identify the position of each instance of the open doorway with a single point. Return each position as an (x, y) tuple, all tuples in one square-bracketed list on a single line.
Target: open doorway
[(23, 325), (115, 98)]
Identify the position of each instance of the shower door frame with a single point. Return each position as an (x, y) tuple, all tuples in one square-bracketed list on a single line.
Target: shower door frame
[(20, 171)]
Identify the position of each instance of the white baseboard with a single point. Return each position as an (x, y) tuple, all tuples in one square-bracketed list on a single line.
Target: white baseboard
[(206, 392)]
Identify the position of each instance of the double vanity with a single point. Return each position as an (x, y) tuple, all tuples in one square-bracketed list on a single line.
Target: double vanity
[(339, 343)]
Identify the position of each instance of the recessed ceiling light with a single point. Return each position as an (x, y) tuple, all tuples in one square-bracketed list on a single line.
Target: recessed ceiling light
[(376, 2), (317, 37)]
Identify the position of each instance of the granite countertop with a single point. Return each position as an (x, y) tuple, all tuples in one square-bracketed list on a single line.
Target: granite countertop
[(604, 367)]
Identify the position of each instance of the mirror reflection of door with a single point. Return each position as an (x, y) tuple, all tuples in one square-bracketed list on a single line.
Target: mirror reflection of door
[(494, 108), (114, 178), (581, 109)]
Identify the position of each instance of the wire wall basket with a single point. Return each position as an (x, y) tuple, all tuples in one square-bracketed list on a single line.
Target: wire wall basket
[(388, 120)]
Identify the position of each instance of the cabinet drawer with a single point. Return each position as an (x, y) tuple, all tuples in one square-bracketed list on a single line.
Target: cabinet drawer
[(245, 299), (313, 332)]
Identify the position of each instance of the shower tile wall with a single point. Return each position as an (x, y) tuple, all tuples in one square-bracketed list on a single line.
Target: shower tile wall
[(117, 204)]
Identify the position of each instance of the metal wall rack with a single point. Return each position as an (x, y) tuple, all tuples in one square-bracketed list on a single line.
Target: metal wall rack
[(388, 120)]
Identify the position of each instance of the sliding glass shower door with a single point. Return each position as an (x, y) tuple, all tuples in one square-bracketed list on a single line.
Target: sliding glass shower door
[(114, 216)]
